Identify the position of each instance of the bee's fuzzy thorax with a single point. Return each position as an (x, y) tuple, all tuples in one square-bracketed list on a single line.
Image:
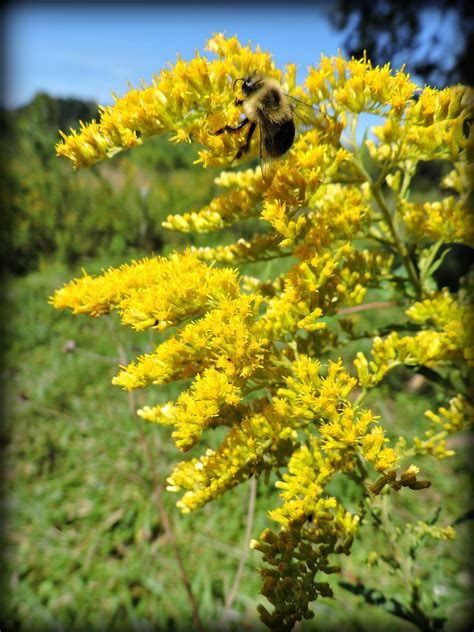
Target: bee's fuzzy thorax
[(269, 100)]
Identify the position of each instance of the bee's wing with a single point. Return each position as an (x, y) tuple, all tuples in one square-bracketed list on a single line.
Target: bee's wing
[(308, 114)]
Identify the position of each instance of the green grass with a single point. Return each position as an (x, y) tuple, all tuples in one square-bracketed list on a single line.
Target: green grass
[(85, 544), (85, 547)]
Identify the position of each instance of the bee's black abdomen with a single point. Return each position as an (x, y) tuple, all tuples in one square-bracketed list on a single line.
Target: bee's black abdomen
[(279, 142)]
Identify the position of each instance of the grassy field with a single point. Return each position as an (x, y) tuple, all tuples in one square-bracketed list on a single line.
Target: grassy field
[(85, 545)]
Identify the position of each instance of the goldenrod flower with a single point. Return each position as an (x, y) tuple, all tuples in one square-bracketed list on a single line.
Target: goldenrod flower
[(261, 355), (152, 293), (449, 220)]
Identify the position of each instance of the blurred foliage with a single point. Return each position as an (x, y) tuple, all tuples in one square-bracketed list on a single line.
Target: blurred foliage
[(50, 211)]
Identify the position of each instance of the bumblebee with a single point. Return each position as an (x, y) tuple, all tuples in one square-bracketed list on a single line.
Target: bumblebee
[(265, 104)]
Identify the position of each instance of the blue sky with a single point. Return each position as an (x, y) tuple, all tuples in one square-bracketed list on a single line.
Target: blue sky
[(91, 51)]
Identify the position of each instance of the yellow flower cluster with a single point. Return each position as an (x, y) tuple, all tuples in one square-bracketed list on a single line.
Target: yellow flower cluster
[(447, 220), (421, 529), (221, 339), (357, 86), (432, 127), (189, 99), (258, 248), (194, 99), (263, 435), (453, 318), (318, 286), (229, 350), (338, 214), (452, 340), (447, 421), (154, 293), (247, 188), (259, 440), (344, 431), (459, 416), (310, 163)]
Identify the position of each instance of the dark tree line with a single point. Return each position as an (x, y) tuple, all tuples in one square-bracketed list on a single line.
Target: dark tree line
[(394, 30)]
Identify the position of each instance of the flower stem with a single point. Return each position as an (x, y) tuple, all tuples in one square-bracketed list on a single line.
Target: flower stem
[(246, 548), (375, 188), (399, 243)]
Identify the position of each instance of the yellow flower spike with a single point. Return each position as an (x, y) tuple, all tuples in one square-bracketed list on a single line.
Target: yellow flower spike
[(427, 348), (421, 529), (152, 293), (247, 449), (196, 409), (261, 246), (182, 98), (221, 212), (163, 415), (447, 221), (254, 350), (456, 417)]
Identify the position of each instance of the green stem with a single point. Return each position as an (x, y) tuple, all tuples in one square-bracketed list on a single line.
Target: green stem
[(375, 188), (400, 245)]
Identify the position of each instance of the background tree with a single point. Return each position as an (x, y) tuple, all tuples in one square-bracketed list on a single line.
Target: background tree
[(434, 39)]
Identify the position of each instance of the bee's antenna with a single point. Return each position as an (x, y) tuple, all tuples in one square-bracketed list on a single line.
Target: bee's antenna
[(240, 79)]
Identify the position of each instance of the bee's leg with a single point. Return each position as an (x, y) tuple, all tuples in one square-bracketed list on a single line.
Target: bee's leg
[(229, 128), (244, 149)]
